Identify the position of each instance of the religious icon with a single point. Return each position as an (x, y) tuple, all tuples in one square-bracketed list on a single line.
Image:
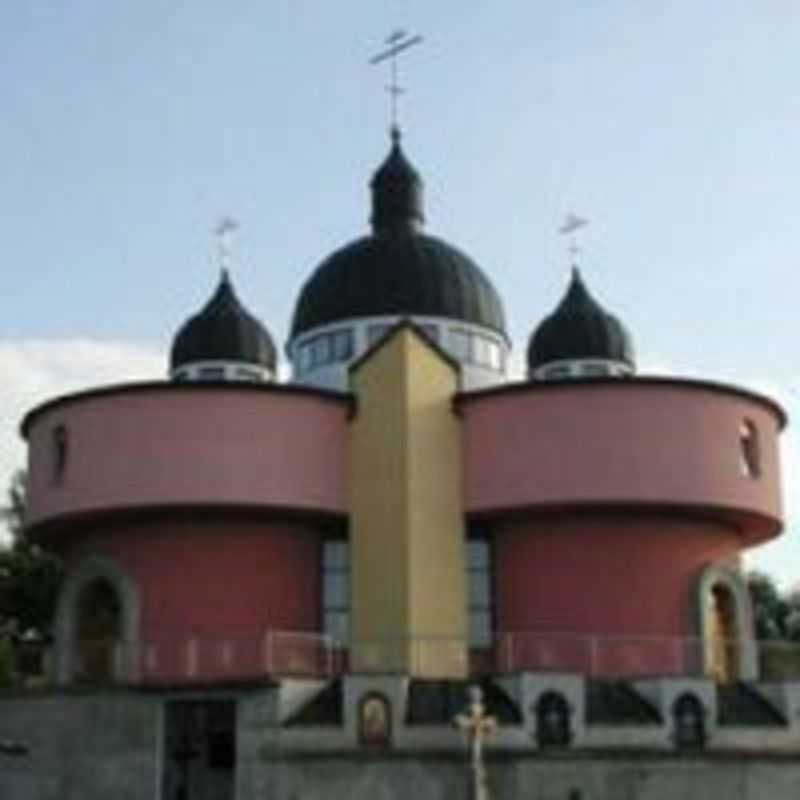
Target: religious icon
[(374, 721)]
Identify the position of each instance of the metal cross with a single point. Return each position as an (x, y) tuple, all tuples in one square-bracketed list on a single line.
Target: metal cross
[(478, 725), (223, 233), (396, 43), (571, 224)]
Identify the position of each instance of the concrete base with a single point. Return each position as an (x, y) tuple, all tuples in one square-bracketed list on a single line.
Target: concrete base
[(93, 745)]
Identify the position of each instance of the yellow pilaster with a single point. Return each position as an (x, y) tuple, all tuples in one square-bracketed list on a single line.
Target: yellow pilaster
[(408, 605)]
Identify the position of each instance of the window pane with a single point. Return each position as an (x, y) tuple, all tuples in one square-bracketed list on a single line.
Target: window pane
[(460, 345), (594, 370), (480, 629), (478, 554), (321, 350), (337, 625), (478, 586), (342, 345), (211, 373), (480, 351), (335, 555), (430, 330), (495, 359), (374, 332), (335, 590), (305, 356), (248, 375)]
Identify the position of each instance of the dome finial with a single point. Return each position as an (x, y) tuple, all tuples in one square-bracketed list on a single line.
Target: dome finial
[(223, 232), (397, 41), (568, 227), (396, 192)]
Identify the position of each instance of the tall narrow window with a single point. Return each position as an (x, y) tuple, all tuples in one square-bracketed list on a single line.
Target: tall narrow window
[(60, 453), (749, 450), (336, 590), (479, 594)]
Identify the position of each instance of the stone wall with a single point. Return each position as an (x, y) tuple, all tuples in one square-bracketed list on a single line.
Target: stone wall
[(101, 745), (80, 746)]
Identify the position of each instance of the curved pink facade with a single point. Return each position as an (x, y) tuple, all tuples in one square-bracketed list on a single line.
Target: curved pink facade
[(211, 590), (605, 574), (160, 445), (643, 442)]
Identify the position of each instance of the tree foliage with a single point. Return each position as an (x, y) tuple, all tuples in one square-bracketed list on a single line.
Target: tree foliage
[(30, 577), (777, 615)]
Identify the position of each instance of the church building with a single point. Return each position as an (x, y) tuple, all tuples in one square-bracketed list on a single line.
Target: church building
[(286, 589)]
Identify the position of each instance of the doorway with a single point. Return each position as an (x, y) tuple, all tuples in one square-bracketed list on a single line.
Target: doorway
[(199, 750)]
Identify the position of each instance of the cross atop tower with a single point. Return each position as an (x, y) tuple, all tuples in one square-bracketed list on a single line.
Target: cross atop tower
[(396, 43), (223, 233), (572, 223)]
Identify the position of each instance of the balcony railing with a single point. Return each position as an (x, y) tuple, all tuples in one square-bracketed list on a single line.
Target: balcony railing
[(185, 658)]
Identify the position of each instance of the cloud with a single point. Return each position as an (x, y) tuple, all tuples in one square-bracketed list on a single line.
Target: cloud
[(35, 370)]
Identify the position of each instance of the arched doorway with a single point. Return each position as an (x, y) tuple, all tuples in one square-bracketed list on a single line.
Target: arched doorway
[(723, 639), (725, 625), (99, 632)]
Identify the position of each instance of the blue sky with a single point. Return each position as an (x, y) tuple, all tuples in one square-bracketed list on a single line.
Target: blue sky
[(130, 129)]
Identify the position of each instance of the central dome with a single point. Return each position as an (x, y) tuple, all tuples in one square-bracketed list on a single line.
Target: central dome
[(398, 270), (398, 274)]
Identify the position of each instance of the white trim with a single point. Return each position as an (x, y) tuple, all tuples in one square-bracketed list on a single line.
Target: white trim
[(234, 371), (581, 368)]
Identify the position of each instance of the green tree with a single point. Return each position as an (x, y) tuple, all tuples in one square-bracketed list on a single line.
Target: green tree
[(772, 611), (30, 576)]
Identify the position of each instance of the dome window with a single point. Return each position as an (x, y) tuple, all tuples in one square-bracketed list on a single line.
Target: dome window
[(375, 332)]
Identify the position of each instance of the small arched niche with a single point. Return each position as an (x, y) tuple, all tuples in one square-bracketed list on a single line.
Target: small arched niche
[(688, 722), (553, 720), (374, 721)]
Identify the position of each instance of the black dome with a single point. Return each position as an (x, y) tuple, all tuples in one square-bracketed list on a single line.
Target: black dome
[(579, 328), (401, 274), (223, 331), (397, 270)]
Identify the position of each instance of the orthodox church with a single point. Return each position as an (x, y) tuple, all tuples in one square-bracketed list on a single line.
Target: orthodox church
[(286, 589)]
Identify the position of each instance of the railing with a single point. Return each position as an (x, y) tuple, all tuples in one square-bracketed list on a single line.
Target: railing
[(185, 658)]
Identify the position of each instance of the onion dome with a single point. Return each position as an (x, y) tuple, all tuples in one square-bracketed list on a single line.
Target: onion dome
[(581, 330), (223, 333), (397, 270)]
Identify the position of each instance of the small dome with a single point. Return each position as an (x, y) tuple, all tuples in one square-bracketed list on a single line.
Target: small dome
[(580, 329), (223, 331), (397, 270)]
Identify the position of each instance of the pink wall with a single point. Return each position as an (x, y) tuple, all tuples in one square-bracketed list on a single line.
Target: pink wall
[(602, 574), (662, 443), (221, 584), (173, 445)]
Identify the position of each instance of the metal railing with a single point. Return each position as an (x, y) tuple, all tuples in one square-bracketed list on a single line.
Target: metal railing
[(187, 657)]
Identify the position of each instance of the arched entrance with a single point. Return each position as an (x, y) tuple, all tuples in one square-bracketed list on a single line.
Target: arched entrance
[(725, 626), (99, 629), (97, 624), (723, 639)]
